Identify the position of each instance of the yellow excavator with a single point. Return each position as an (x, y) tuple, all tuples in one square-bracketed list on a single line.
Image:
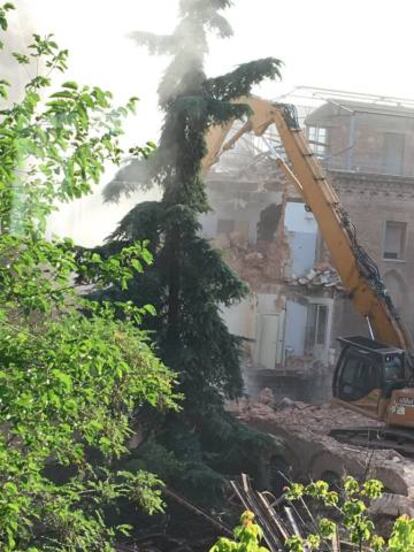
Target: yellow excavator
[(373, 376)]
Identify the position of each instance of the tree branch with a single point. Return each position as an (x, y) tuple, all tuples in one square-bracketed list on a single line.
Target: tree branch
[(240, 81), (156, 44)]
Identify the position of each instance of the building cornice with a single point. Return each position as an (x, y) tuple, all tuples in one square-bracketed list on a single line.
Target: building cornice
[(356, 183)]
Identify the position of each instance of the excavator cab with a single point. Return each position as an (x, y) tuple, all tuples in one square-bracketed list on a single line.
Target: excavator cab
[(367, 374)]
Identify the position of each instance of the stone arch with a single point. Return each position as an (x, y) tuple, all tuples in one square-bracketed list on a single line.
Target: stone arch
[(397, 288)]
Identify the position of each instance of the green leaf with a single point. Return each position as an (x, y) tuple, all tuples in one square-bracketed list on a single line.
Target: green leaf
[(150, 310), (63, 378), (63, 94), (72, 85), (23, 59)]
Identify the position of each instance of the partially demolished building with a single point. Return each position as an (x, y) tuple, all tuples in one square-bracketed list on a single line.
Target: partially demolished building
[(297, 306)]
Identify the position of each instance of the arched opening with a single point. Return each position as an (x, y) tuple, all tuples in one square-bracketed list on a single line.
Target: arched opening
[(397, 289)]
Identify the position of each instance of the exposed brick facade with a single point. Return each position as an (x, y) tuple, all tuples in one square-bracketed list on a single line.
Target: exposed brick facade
[(367, 137), (292, 318), (369, 156), (371, 201)]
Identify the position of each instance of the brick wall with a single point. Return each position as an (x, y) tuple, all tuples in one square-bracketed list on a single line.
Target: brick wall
[(371, 201), (367, 137)]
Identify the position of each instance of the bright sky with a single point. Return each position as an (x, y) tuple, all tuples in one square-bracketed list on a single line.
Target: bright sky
[(358, 45)]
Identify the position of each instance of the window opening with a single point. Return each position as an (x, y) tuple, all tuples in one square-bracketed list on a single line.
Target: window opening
[(394, 240)]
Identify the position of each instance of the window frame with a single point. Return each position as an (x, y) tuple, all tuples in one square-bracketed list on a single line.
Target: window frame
[(403, 248), (318, 143), (389, 163), (359, 390), (312, 340)]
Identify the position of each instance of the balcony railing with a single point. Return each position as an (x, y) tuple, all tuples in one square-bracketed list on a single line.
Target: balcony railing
[(370, 164)]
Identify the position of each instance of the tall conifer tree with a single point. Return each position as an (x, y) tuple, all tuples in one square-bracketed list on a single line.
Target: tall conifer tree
[(189, 281)]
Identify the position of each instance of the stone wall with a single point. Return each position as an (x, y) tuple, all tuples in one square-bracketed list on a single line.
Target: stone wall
[(367, 137), (371, 201), (250, 224)]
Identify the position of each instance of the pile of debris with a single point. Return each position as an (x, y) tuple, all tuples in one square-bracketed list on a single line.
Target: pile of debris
[(322, 275), (256, 264), (313, 454), (279, 518)]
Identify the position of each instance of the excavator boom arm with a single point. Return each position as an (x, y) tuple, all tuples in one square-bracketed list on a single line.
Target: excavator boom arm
[(358, 272)]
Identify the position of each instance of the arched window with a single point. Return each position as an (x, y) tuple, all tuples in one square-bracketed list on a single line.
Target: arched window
[(396, 287)]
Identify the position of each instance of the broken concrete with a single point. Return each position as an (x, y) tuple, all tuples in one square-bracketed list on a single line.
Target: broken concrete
[(269, 239), (321, 277), (312, 454), (252, 199)]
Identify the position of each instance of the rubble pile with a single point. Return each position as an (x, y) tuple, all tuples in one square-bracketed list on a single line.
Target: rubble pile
[(313, 454), (298, 415), (322, 275), (256, 264), (318, 419)]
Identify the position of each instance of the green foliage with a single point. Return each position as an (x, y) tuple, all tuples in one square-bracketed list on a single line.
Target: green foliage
[(189, 281), (73, 374), (402, 538), (354, 524), (239, 82), (248, 536), (352, 520), (3, 15), (54, 150)]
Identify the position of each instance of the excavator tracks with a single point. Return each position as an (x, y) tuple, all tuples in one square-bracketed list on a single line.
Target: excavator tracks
[(328, 442), (377, 438)]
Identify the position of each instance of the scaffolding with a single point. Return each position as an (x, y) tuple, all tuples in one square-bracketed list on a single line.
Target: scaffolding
[(348, 131)]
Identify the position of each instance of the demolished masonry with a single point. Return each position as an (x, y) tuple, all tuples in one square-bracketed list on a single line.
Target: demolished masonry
[(297, 306)]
